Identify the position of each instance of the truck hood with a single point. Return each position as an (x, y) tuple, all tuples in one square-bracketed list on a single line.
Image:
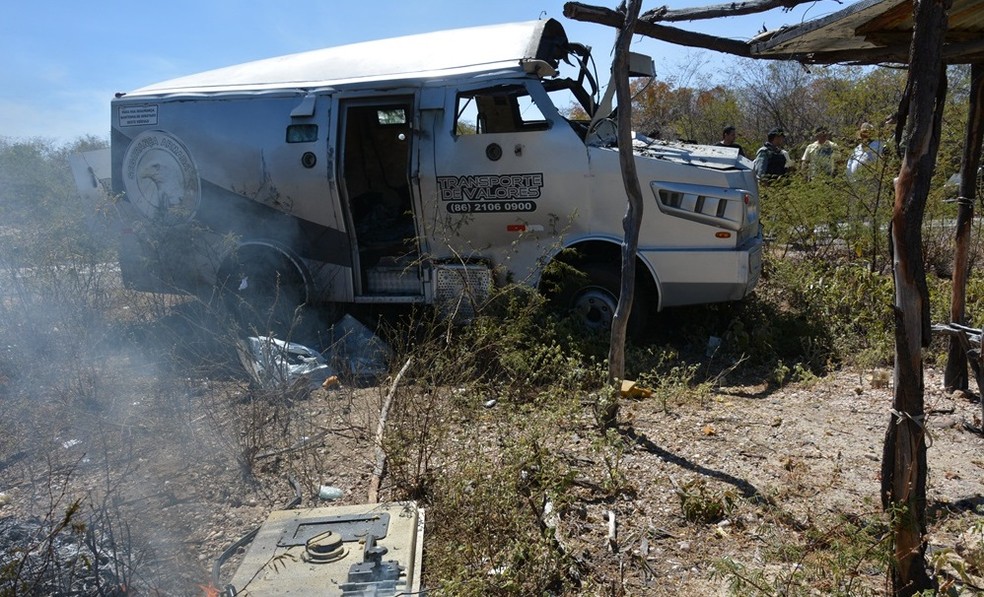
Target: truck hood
[(705, 156)]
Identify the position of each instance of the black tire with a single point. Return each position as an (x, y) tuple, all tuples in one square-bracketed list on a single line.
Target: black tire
[(593, 299), (264, 292)]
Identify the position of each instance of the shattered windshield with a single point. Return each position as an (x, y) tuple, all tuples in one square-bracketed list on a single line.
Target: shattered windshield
[(575, 92)]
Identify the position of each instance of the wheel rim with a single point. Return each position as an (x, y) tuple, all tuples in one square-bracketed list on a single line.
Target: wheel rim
[(595, 308), (264, 295)]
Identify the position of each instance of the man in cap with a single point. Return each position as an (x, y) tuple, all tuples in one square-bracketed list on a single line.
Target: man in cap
[(771, 160)]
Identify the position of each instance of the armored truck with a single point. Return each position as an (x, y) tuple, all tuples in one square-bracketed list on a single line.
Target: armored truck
[(420, 169)]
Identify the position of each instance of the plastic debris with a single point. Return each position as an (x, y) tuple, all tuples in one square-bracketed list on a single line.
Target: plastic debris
[(275, 364), (329, 492), (713, 344), (357, 352)]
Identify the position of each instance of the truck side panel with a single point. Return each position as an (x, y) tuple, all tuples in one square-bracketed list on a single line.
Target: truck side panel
[(199, 175)]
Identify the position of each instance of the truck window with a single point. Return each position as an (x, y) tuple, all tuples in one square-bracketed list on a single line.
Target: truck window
[(302, 133), (391, 116), (500, 109)]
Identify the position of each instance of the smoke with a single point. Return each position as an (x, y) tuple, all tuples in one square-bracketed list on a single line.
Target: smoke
[(108, 395)]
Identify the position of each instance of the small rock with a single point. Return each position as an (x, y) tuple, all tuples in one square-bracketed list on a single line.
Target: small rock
[(943, 422), (962, 395)]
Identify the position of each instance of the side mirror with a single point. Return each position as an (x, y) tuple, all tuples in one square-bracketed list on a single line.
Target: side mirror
[(641, 65)]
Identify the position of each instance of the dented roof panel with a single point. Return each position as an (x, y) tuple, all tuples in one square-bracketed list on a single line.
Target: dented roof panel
[(443, 53)]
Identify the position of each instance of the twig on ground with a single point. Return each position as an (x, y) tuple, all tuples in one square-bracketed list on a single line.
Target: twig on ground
[(377, 473)]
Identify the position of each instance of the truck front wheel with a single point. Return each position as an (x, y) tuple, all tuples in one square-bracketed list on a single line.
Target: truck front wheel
[(593, 298)]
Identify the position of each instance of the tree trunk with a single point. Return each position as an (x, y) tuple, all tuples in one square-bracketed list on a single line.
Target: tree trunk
[(903, 487), (633, 213), (956, 376)]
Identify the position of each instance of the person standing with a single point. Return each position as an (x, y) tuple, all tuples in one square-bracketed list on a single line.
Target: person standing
[(818, 158), (863, 158), (771, 160), (728, 137)]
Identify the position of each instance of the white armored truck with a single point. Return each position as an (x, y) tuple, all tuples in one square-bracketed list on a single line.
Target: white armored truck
[(419, 169)]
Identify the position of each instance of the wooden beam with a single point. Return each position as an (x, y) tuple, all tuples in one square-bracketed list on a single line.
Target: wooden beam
[(894, 38), (971, 52), (898, 18), (611, 18), (632, 220), (731, 9), (961, 47)]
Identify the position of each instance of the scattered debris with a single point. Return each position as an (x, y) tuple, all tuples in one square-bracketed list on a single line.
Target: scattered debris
[(329, 492), (612, 534), (275, 364), (713, 344), (357, 352), (631, 389), (43, 558)]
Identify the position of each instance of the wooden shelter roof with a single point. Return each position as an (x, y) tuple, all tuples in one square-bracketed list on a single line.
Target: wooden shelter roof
[(873, 31), (865, 32)]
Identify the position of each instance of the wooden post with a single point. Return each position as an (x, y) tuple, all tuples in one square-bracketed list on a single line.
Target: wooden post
[(955, 376), (903, 486), (633, 214)]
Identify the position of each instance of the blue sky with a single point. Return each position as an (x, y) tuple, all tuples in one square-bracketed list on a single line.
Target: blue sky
[(63, 59)]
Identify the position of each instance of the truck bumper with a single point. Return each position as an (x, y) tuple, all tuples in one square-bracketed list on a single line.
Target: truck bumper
[(688, 277)]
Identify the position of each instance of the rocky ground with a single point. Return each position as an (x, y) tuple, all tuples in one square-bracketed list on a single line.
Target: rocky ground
[(156, 451)]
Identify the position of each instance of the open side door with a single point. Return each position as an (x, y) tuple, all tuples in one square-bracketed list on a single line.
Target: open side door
[(375, 166)]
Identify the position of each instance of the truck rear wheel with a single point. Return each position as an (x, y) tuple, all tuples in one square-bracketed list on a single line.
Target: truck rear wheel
[(264, 292)]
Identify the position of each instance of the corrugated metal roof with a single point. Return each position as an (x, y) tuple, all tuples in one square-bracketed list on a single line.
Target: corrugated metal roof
[(873, 31)]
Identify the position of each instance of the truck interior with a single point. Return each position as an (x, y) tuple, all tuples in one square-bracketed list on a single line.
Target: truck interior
[(375, 169)]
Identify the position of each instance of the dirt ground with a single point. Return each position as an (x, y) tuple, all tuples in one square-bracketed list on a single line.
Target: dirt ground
[(156, 444)]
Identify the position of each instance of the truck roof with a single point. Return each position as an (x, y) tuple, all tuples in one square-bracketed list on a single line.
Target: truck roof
[(427, 55)]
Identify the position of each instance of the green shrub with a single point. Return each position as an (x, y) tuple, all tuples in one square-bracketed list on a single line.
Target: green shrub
[(491, 522), (844, 556)]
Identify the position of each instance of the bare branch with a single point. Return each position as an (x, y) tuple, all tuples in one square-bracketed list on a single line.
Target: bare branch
[(380, 468), (731, 9)]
